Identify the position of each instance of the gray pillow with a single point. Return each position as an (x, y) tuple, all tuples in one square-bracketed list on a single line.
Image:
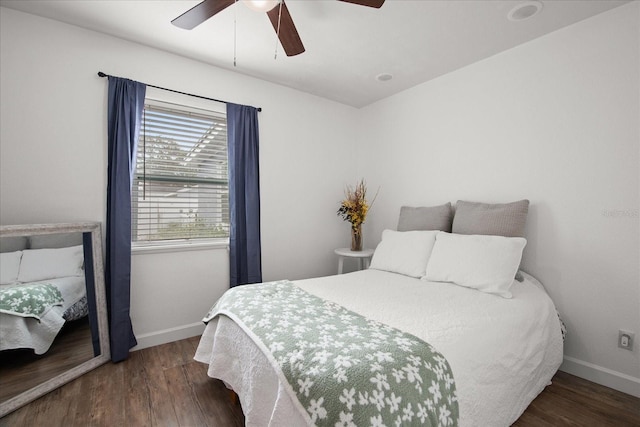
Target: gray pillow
[(426, 218), (507, 219), (13, 244), (52, 241)]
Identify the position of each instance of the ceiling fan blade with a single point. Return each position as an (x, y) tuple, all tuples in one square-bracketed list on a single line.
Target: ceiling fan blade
[(371, 3), (200, 13), (289, 37)]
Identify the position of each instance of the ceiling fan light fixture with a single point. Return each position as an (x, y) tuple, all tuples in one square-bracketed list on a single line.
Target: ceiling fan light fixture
[(525, 10), (261, 5)]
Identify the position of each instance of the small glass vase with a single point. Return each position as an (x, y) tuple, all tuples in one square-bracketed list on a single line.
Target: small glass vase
[(356, 238)]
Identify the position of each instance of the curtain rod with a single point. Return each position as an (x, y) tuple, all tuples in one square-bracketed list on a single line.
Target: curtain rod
[(101, 74)]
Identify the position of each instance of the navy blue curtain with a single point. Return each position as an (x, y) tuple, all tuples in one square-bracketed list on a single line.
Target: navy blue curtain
[(90, 285), (126, 103), (244, 195)]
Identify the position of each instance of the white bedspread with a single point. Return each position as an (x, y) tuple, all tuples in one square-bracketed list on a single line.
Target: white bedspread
[(27, 332), (503, 352)]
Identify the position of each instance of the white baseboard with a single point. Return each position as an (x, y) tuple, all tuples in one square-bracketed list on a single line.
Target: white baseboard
[(603, 376), (168, 335)]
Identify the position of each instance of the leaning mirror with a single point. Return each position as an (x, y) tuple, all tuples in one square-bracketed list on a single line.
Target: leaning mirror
[(53, 316)]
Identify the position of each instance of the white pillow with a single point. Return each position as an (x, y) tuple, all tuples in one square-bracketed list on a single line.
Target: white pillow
[(9, 267), (404, 252), (485, 263), (43, 264)]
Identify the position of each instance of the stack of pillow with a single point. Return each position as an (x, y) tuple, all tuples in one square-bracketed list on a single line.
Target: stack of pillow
[(36, 265), (479, 247)]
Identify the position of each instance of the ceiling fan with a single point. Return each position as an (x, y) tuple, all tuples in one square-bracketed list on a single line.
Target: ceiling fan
[(276, 10)]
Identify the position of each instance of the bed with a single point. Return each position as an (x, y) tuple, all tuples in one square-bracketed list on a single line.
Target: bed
[(497, 341), (40, 290)]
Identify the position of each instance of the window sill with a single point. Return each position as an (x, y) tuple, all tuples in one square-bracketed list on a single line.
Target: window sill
[(180, 247)]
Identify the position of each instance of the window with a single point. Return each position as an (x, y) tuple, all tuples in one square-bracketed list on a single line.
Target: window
[(180, 188)]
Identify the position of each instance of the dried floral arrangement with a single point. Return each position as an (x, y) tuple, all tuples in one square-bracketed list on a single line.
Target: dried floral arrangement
[(354, 208)]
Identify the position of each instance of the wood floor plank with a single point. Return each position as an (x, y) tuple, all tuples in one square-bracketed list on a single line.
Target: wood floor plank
[(194, 341), (19, 418), (533, 418), (155, 361), (588, 413), (212, 398), (162, 411), (164, 386), (42, 409), (609, 401), (68, 396), (107, 396), (82, 415), (188, 350), (136, 389), (167, 356), (187, 410)]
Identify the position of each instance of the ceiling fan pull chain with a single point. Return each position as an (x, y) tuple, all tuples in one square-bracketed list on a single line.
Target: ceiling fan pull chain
[(275, 55), (235, 33)]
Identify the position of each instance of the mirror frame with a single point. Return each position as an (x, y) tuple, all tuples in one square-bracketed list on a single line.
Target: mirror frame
[(101, 304)]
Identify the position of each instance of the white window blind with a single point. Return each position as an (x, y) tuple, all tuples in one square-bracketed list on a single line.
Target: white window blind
[(180, 191)]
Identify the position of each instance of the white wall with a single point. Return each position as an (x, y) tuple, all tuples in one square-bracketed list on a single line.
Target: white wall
[(556, 121), (53, 160)]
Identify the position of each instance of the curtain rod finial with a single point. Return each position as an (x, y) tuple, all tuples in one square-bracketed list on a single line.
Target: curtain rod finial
[(101, 74)]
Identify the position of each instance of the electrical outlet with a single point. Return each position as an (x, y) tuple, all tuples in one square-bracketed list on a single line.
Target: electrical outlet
[(625, 339)]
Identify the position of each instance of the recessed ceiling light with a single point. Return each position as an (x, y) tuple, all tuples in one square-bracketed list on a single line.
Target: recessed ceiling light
[(524, 10), (384, 77)]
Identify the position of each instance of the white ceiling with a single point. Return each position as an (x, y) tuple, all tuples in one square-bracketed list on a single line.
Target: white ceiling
[(347, 45)]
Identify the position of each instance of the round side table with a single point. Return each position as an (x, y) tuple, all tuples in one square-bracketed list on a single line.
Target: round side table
[(363, 257)]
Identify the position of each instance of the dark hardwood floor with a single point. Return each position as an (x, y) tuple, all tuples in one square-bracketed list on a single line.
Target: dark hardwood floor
[(22, 369), (164, 386)]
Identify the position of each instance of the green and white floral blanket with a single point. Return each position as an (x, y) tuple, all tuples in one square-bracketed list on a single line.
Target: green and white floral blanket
[(343, 369), (29, 300)]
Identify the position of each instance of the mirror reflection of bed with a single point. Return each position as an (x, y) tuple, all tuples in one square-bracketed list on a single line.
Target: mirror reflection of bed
[(45, 327)]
